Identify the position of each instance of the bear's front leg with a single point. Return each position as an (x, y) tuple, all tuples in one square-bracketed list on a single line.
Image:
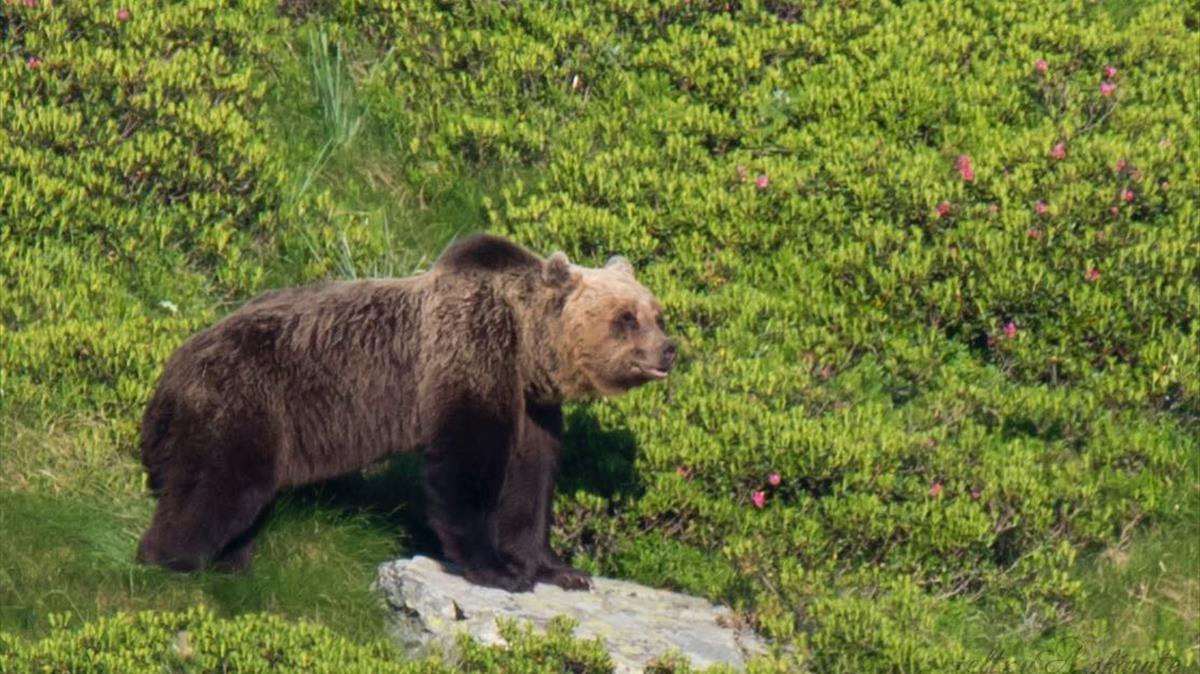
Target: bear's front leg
[(527, 499), (464, 472)]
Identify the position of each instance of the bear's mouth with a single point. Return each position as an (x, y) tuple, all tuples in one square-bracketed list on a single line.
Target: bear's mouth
[(649, 371)]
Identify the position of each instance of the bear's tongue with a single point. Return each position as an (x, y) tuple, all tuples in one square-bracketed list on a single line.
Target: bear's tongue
[(654, 372)]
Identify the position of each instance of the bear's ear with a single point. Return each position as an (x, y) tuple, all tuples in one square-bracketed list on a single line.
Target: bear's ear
[(557, 271), (621, 264)]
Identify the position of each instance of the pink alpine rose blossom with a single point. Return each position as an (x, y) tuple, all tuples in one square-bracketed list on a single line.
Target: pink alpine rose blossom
[(1010, 330), (1110, 72), (1040, 65), (964, 168), (762, 182), (758, 498), (943, 209), (936, 489), (1107, 88), (1040, 208), (1093, 274), (1059, 151), (122, 14), (774, 479)]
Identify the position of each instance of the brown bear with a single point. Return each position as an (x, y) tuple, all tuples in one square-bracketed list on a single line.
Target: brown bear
[(468, 364)]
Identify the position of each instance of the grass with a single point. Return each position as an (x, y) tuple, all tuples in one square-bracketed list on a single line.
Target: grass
[(361, 171), (69, 525), (1140, 591), (1146, 588)]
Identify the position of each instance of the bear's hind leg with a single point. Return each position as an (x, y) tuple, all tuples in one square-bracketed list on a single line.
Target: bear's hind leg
[(202, 526), (211, 511), (236, 556)]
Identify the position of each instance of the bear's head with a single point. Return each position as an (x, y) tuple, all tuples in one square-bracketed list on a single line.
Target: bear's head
[(613, 336)]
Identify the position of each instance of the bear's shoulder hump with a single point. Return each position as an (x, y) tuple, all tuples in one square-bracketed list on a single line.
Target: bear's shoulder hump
[(487, 252)]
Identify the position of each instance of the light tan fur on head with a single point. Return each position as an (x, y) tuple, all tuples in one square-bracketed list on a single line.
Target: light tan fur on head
[(613, 335)]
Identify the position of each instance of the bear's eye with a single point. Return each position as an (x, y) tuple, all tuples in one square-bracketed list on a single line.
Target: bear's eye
[(629, 319)]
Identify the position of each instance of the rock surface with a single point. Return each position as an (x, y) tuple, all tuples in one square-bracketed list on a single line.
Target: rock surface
[(637, 623)]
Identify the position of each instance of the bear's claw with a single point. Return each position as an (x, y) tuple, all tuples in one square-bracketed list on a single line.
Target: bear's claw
[(566, 577)]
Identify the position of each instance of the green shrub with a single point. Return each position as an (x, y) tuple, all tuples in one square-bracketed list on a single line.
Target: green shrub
[(137, 188), (195, 641)]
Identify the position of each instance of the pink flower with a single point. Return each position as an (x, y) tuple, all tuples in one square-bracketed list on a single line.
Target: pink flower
[(1114, 210), (1040, 65), (34, 63), (943, 209), (1119, 166), (936, 489), (1059, 151), (1107, 88), (1093, 274), (963, 166), (1010, 329), (758, 498), (774, 479), (122, 14), (975, 494), (1110, 72), (30, 3), (1035, 233), (1127, 196), (762, 182), (1040, 208), (684, 472)]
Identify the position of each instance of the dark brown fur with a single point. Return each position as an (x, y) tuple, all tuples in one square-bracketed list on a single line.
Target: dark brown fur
[(468, 363)]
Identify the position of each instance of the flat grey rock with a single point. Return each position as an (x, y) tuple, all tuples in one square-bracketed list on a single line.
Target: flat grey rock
[(638, 624)]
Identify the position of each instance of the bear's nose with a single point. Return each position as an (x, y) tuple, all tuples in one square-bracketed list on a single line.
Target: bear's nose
[(668, 354)]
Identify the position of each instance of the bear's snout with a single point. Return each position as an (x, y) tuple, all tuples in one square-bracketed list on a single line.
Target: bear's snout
[(669, 351)]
